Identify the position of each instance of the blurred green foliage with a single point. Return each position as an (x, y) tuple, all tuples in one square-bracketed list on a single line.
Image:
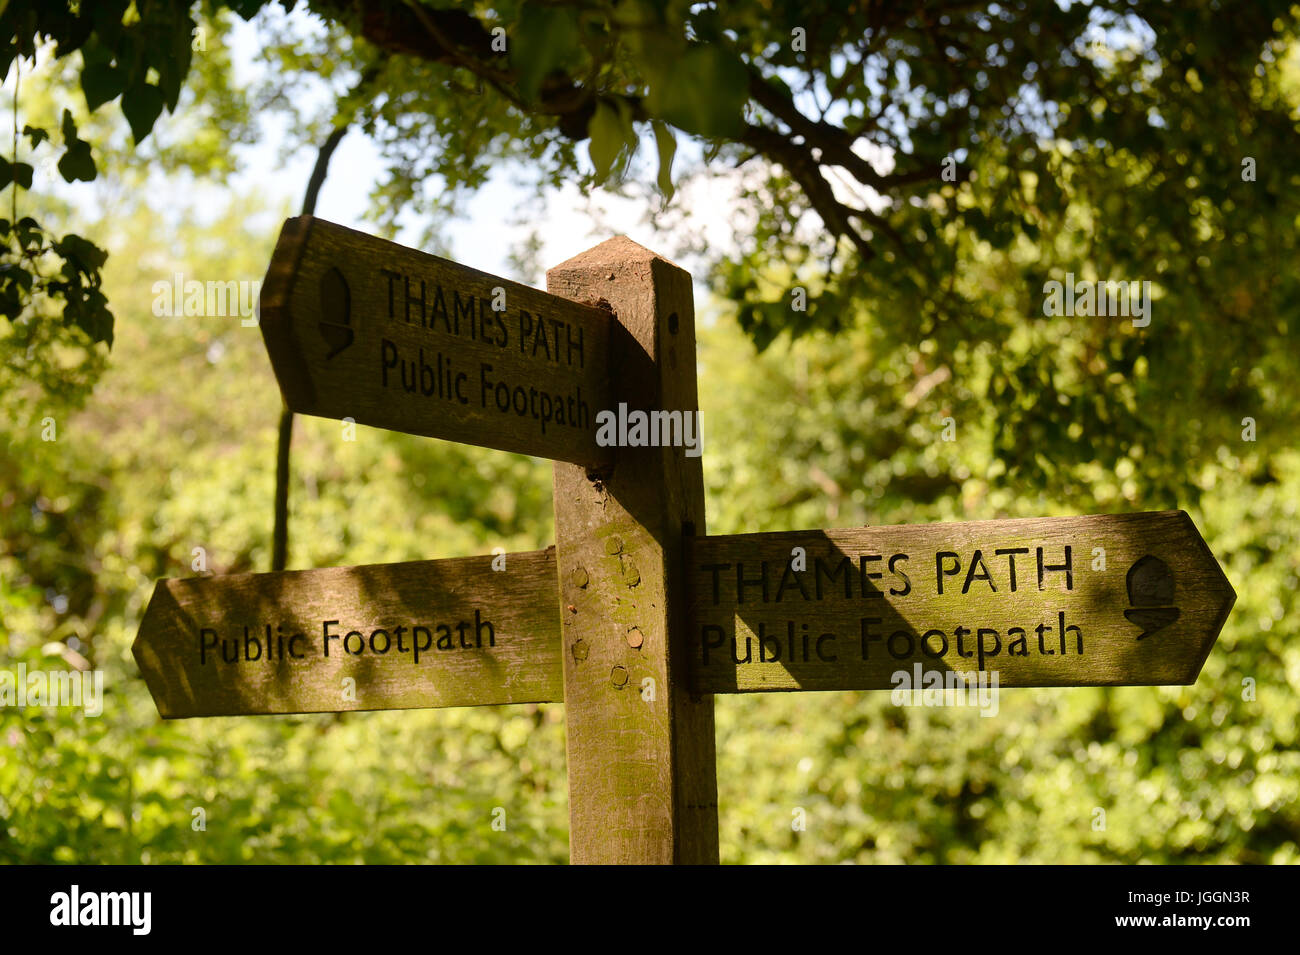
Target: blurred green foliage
[(173, 450), (176, 452), (840, 431)]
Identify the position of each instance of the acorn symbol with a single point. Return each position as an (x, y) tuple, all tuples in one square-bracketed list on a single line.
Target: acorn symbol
[(336, 312), (1151, 594)]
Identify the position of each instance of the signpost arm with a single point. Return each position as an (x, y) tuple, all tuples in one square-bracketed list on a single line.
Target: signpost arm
[(641, 758)]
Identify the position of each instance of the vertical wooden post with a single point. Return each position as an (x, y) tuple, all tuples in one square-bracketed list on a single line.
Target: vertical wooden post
[(641, 759)]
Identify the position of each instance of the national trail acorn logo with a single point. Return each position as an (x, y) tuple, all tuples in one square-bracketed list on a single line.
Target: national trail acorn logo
[(336, 312), (1151, 594)]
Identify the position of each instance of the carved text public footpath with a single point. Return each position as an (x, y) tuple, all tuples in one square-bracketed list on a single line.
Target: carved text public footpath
[(258, 643)]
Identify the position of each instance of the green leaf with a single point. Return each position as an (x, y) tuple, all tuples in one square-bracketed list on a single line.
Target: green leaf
[(87, 256), (246, 8), (95, 319), (36, 135), (17, 273), (667, 144), (11, 300), (69, 127), (106, 16), (704, 93), (100, 82), (29, 231), (608, 137), (547, 39), (77, 163), (141, 105), (173, 68)]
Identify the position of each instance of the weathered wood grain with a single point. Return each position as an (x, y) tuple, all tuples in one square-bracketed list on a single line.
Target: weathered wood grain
[(190, 670), (1159, 635), (642, 768), (362, 328)]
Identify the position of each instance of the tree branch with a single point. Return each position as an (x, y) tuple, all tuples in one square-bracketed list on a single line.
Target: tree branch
[(284, 440)]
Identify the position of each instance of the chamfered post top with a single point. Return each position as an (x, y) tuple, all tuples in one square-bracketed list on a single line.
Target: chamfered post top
[(618, 252)]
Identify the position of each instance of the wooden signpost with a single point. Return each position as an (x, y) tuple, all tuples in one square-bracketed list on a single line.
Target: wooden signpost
[(636, 618), (384, 637), (362, 328)]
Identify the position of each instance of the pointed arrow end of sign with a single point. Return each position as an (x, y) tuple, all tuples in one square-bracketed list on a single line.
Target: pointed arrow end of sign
[(161, 615), (276, 323), (1212, 581)]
